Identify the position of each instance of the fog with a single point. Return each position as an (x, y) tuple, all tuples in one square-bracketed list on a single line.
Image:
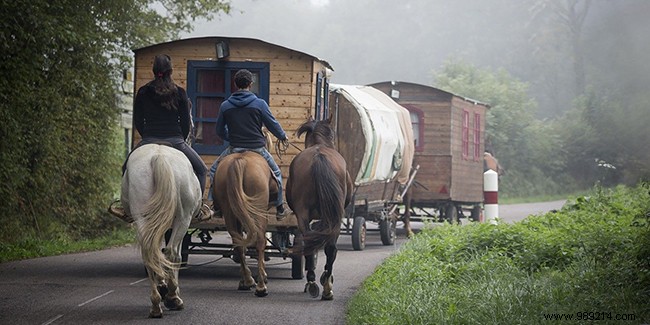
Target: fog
[(369, 41)]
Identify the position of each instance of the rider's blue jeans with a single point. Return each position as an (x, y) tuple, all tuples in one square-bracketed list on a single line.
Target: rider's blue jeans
[(262, 151)]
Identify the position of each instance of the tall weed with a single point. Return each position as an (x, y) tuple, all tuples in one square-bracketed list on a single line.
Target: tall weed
[(591, 256)]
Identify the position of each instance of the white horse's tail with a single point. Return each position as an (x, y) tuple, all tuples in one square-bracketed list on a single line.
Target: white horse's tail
[(158, 216)]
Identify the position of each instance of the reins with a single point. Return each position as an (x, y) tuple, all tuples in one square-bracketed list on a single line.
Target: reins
[(282, 146)]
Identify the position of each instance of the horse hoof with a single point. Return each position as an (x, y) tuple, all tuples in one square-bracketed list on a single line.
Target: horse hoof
[(244, 287), (155, 314), (174, 304), (329, 296), (262, 293), (313, 289)]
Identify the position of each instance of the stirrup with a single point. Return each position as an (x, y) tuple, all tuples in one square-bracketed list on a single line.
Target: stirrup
[(119, 212)]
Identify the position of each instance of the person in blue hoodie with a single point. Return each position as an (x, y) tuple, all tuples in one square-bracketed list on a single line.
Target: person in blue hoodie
[(240, 122)]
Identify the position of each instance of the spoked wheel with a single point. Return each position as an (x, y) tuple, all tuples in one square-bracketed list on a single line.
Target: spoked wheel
[(388, 230), (359, 234), (475, 215), (185, 249), (451, 214), (297, 265)]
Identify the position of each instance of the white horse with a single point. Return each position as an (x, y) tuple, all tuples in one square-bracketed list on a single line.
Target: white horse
[(161, 192)]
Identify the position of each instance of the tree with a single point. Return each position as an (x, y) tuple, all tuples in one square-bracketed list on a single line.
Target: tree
[(61, 62)]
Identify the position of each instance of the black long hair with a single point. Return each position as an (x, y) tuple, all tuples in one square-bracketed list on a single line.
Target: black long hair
[(163, 85)]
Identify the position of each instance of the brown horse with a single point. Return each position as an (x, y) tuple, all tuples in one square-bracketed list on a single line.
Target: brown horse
[(490, 162), (245, 183), (319, 189)]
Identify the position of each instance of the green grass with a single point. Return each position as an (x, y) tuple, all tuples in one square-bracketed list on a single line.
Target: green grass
[(590, 257), (31, 247)]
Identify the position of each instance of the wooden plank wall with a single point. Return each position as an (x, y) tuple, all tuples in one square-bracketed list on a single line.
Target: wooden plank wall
[(443, 174), (467, 173), (292, 79)]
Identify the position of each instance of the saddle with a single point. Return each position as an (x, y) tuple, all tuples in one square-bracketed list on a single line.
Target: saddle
[(141, 143)]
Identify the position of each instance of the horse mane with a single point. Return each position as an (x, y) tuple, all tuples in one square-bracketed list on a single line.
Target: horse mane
[(318, 132)]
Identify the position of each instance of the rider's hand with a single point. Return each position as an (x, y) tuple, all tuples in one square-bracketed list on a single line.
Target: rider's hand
[(285, 142)]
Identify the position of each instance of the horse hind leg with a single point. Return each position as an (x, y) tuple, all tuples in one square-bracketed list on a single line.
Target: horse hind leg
[(311, 286), (172, 300), (158, 290), (327, 278), (261, 289), (247, 281)]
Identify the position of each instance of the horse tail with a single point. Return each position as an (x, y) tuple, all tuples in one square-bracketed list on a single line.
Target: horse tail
[(241, 205), (330, 205), (158, 216)]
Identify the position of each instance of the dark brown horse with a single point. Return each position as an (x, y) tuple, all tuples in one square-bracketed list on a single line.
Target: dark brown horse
[(244, 184), (319, 188), (490, 162)]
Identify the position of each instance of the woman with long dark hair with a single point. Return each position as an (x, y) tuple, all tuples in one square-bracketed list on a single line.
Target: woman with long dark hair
[(161, 114)]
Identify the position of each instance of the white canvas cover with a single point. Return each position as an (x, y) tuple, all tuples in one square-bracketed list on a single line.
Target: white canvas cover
[(387, 131)]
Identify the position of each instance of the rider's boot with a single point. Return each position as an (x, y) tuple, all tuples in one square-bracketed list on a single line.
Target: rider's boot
[(281, 212), (205, 213), (118, 211)]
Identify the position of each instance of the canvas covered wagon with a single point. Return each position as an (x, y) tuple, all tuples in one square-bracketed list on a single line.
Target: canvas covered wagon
[(375, 137)]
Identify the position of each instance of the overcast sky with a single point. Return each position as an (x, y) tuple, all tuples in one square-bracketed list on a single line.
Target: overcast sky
[(368, 41)]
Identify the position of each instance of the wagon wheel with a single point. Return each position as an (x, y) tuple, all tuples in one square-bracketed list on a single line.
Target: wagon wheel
[(297, 264), (359, 234), (475, 215), (185, 249), (388, 230), (451, 214)]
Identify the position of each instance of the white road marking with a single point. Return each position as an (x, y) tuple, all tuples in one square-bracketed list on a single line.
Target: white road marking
[(52, 320), (132, 283), (93, 299)]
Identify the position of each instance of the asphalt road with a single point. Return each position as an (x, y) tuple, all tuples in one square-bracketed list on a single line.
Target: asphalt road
[(517, 212), (109, 286)]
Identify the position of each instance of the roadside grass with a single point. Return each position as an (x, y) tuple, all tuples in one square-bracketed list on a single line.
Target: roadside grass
[(589, 260), (31, 247)]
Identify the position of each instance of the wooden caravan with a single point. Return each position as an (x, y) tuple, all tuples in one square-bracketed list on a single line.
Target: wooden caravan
[(293, 83), (449, 133), (375, 137)]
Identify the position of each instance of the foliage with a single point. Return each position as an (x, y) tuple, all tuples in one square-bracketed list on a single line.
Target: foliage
[(59, 162), (607, 136), (593, 255)]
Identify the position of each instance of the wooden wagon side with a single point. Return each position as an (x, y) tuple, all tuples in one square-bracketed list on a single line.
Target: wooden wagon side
[(450, 141), (292, 82)]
